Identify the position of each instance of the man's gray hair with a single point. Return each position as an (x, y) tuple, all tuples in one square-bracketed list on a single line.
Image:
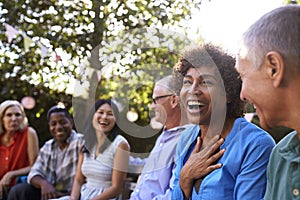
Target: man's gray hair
[(170, 83), (278, 30)]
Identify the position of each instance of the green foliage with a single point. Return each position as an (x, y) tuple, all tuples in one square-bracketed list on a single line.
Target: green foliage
[(90, 35), (16, 89), (292, 2)]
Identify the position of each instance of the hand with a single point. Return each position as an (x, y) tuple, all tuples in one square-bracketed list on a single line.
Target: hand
[(7, 179), (48, 191), (3, 191), (200, 163)]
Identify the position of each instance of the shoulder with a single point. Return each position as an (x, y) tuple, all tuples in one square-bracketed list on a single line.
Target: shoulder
[(120, 140), (33, 141), (251, 131), (188, 135), (288, 140), (124, 145), (189, 131), (32, 133), (248, 137), (48, 145), (76, 137)]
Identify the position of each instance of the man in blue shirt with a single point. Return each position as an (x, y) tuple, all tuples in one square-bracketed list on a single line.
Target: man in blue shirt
[(156, 179)]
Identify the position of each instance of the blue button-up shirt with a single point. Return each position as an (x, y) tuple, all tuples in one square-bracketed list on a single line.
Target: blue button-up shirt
[(243, 173), (156, 178)]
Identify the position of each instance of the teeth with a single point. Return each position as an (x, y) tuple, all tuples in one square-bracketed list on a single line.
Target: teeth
[(60, 133), (195, 103), (103, 123)]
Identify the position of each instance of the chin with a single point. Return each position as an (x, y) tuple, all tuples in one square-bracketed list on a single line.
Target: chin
[(194, 120)]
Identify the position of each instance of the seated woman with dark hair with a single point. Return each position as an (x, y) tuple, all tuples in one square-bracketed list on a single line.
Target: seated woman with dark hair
[(103, 160), (222, 156)]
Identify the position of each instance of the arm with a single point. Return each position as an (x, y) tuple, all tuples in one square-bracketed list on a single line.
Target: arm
[(32, 151), (79, 179), (251, 181), (47, 189), (40, 173), (176, 190), (119, 173), (33, 146)]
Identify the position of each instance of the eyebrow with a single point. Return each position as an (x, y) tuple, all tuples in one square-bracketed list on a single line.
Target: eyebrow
[(204, 76)]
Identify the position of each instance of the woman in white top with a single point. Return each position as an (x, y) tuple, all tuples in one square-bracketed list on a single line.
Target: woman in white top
[(103, 161)]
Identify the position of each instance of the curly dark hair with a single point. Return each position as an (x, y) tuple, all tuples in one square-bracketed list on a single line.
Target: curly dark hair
[(209, 55)]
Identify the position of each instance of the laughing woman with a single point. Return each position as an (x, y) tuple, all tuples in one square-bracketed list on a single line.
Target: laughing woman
[(103, 161), (222, 157)]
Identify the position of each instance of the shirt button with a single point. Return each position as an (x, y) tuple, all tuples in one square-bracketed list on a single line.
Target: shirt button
[(295, 192), (6, 158), (160, 144)]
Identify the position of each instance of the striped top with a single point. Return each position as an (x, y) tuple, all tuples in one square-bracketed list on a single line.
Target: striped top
[(98, 170)]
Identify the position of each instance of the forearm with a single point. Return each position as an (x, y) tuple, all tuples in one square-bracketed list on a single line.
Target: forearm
[(20, 172), (109, 193), (38, 181), (186, 184), (76, 188)]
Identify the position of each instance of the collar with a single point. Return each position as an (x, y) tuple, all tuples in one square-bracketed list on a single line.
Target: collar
[(290, 149)]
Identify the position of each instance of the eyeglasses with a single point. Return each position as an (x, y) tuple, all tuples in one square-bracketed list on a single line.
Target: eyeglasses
[(160, 97)]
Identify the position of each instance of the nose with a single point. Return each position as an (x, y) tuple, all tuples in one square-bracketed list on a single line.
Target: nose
[(195, 88), (104, 116), (13, 117), (242, 97), (153, 105), (58, 126)]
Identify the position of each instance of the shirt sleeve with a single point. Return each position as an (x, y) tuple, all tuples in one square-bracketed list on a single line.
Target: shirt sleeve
[(39, 166), (251, 182), (176, 190)]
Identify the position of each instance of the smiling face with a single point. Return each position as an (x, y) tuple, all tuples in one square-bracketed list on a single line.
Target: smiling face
[(257, 89), (60, 127), (162, 105), (12, 119), (104, 119), (200, 94)]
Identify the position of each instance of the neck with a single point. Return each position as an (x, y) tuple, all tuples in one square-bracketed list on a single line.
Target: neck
[(209, 131), (7, 137), (10, 132), (290, 115), (100, 137), (62, 145), (173, 120)]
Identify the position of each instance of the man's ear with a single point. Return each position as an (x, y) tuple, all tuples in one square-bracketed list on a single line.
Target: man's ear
[(275, 63), (174, 101)]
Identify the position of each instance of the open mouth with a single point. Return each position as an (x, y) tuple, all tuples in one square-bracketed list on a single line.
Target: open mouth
[(195, 104), (103, 124), (60, 133)]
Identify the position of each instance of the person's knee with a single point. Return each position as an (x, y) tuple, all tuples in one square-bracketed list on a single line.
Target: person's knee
[(23, 191)]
